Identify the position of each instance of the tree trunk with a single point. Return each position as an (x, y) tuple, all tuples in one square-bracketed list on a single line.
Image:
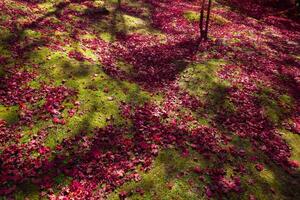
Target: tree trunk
[(204, 30), (201, 20), (207, 20)]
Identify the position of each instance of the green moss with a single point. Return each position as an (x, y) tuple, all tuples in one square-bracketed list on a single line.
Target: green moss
[(78, 7), (39, 56), (107, 37), (192, 15), (195, 16), (272, 177), (100, 95), (198, 79), (4, 34), (286, 100), (275, 109), (9, 114), (219, 19), (88, 36), (127, 23), (203, 121), (30, 34), (125, 67), (294, 142), (163, 182), (202, 81)]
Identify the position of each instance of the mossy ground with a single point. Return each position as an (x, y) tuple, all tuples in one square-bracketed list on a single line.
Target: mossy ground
[(101, 95)]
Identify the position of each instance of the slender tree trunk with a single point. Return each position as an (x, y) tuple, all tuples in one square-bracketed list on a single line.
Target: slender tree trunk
[(201, 20), (207, 20)]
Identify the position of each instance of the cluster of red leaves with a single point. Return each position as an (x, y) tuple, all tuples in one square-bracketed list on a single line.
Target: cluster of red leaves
[(7, 134), (76, 55), (249, 121), (111, 156), (15, 90), (164, 14), (20, 164), (154, 62)]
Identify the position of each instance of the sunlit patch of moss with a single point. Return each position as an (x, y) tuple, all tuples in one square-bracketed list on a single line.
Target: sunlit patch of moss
[(126, 23), (272, 112), (286, 100), (125, 67), (34, 84), (39, 56), (234, 40), (88, 36), (228, 106), (272, 182), (275, 109), (202, 81), (28, 33), (90, 55), (61, 35), (99, 95), (218, 19), (294, 142), (107, 37), (98, 3), (198, 79), (261, 186), (100, 100), (268, 176), (203, 121), (9, 114), (77, 7), (29, 132), (164, 181), (113, 1), (49, 6), (192, 16)]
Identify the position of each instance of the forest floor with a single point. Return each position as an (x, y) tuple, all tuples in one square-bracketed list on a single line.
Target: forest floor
[(124, 103)]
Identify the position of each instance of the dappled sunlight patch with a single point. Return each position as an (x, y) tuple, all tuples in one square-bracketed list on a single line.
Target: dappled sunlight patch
[(30, 34), (9, 114), (107, 37), (199, 79), (275, 107), (194, 16), (170, 177), (294, 141)]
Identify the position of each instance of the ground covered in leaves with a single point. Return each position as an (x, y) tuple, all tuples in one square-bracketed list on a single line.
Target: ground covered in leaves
[(124, 103)]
